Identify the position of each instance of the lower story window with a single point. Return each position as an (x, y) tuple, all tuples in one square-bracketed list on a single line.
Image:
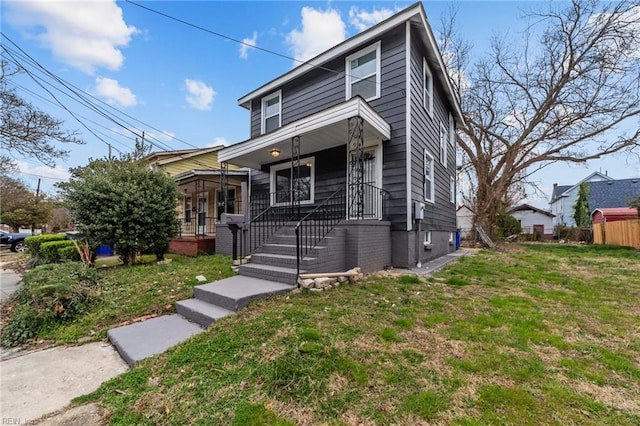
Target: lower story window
[(427, 238), (286, 189)]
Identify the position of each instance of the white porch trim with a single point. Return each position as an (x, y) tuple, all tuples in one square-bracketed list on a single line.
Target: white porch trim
[(322, 130)]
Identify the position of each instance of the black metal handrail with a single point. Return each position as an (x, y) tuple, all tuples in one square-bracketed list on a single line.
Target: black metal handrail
[(315, 226), (267, 217), (196, 226)]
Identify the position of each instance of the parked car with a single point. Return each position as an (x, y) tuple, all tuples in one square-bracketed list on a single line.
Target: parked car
[(15, 241)]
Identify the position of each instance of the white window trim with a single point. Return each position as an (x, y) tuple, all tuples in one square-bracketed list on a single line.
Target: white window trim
[(263, 110), (452, 131), (347, 69), (287, 165), (427, 84), (427, 239), (427, 155), (443, 145), (452, 189)]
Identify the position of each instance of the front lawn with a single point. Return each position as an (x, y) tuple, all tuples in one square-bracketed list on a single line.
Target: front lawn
[(535, 334), (127, 293)]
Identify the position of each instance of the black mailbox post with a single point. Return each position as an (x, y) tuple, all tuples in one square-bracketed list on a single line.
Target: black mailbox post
[(235, 222)]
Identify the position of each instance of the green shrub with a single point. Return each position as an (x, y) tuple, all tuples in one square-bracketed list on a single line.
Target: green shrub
[(507, 225), (69, 254), (50, 294), (50, 250), (35, 242)]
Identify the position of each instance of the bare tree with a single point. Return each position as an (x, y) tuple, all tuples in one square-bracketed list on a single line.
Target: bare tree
[(26, 130), (569, 91)]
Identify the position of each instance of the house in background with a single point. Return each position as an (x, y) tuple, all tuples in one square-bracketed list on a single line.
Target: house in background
[(200, 182), (605, 192), (356, 149), (534, 221), (464, 219)]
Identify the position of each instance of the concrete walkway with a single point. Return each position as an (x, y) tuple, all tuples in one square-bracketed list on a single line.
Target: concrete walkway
[(36, 383), (211, 302), (9, 280), (436, 264)]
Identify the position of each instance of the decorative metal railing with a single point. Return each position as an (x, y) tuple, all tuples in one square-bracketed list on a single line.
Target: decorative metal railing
[(196, 226), (315, 226), (370, 202)]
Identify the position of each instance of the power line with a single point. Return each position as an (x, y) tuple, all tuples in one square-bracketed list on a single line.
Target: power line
[(272, 52)]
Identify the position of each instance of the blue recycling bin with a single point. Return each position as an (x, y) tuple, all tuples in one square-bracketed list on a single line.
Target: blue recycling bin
[(458, 232), (104, 250)]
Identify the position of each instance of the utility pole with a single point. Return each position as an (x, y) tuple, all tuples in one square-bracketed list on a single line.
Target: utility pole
[(33, 225)]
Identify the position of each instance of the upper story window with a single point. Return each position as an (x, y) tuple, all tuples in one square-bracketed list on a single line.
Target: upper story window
[(271, 112), (443, 145), (452, 189), (429, 187), (427, 87), (363, 73)]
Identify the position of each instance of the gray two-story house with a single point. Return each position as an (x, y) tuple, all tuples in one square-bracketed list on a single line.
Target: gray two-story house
[(355, 153)]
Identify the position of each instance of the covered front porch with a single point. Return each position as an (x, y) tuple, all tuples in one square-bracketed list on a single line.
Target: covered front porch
[(206, 194), (313, 174)]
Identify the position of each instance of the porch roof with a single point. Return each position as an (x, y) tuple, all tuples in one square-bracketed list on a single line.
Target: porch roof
[(322, 130)]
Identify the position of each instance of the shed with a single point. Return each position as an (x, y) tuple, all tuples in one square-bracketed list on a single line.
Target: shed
[(613, 214)]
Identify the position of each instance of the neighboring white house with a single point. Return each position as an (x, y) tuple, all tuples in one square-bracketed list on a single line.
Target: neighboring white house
[(565, 196), (464, 218), (534, 220)]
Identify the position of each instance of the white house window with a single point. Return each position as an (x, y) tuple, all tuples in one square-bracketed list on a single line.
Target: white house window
[(429, 188), (452, 189), (443, 145), (363, 73), (282, 187), (427, 87), (427, 238), (452, 131), (271, 112)]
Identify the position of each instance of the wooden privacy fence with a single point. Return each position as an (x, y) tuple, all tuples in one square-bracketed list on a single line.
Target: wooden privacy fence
[(620, 233)]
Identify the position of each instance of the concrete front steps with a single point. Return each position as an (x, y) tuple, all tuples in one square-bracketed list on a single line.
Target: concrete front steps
[(211, 302), (276, 260)]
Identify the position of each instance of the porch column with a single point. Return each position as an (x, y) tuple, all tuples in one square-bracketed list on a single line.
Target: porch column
[(224, 186), (355, 142), (295, 177)]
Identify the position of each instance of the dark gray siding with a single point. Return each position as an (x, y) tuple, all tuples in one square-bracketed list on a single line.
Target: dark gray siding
[(425, 133), (321, 89)]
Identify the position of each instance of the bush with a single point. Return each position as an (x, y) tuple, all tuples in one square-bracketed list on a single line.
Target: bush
[(69, 254), (50, 294), (508, 225), (49, 251), (35, 242)]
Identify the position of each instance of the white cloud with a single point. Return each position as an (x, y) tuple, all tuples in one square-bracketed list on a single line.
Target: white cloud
[(200, 95), (49, 174), (361, 19), (320, 31), (248, 42), (115, 94), (218, 141), (83, 34)]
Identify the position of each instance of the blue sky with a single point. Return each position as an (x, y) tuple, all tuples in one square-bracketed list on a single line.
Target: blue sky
[(181, 84)]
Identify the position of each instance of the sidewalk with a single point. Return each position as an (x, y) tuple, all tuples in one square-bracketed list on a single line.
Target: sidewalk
[(41, 382)]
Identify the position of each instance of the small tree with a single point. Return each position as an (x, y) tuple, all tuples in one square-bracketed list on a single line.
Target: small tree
[(581, 214), (20, 207), (508, 225), (123, 203)]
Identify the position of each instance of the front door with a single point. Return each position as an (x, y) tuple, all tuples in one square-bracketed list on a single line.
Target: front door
[(202, 213), (365, 200)]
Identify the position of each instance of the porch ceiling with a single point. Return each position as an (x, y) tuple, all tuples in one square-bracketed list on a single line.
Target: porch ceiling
[(325, 129)]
